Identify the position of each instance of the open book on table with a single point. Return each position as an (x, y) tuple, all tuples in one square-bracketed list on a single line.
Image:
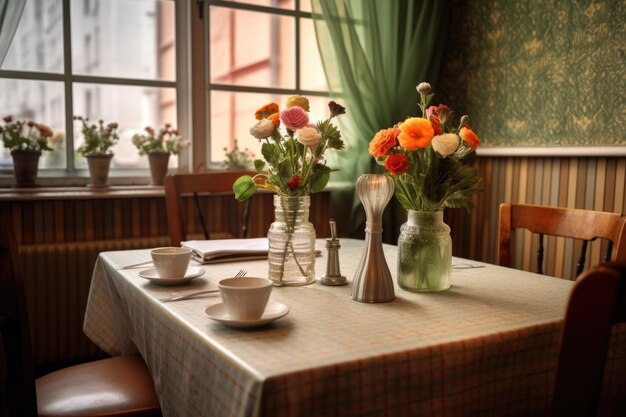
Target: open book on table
[(228, 250), (225, 250)]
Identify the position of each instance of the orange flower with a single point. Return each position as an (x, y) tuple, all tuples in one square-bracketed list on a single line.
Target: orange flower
[(383, 141), (275, 118), (397, 163), (469, 137), (266, 110), (415, 133)]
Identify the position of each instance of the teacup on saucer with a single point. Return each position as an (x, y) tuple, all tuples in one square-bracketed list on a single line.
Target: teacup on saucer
[(245, 298), (171, 262)]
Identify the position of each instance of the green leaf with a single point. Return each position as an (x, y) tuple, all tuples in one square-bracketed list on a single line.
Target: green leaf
[(320, 177), (259, 165), (271, 153), (244, 187), (284, 170), (331, 134)]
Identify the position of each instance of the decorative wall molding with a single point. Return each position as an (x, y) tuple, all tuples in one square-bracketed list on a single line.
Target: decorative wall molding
[(549, 151)]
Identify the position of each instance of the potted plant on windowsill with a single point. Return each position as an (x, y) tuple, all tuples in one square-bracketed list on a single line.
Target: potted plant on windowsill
[(159, 146), (99, 139), (236, 159), (26, 140)]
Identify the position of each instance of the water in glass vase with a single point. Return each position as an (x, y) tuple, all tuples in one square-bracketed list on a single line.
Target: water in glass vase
[(291, 239), (424, 252)]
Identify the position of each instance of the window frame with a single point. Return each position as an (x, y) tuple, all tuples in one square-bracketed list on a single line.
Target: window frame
[(202, 152), (126, 176)]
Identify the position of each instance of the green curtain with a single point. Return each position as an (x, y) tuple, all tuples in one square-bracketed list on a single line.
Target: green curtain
[(374, 54)]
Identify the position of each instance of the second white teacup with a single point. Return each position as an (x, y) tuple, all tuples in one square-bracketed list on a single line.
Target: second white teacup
[(171, 262), (245, 298)]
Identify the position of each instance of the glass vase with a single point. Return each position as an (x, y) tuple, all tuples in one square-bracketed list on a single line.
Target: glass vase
[(291, 242), (424, 252)]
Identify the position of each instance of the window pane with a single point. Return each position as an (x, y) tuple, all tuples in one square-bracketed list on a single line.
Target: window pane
[(42, 102), (124, 38), (232, 115), (133, 108), (252, 49), (305, 5), (312, 76), (38, 42), (283, 4)]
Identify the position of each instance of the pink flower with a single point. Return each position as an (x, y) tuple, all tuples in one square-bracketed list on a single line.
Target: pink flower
[(294, 118), (437, 112), (8, 118)]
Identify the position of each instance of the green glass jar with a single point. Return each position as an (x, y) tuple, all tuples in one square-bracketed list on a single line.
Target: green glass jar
[(424, 252)]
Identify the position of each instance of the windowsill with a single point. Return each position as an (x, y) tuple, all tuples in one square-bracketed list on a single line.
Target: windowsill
[(80, 192)]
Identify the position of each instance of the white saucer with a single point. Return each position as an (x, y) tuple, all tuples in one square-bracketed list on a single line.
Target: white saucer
[(151, 274), (273, 311)]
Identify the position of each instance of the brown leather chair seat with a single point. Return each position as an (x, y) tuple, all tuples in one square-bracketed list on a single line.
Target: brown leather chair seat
[(114, 386)]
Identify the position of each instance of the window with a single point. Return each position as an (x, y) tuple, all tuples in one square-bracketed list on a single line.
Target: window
[(122, 67), (123, 62), (258, 51)]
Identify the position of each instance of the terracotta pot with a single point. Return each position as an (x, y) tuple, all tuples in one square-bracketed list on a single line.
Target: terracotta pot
[(158, 166), (99, 170), (25, 164)]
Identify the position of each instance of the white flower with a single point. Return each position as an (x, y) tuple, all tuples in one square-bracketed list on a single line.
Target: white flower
[(446, 144), (308, 136), (263, 129), (137, 140), (423, 88)]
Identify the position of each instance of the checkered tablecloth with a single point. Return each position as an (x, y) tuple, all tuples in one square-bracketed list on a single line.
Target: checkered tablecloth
[(486, 347)]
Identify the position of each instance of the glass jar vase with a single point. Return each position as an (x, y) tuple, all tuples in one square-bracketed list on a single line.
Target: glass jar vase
[(291, 239), (424, 252)]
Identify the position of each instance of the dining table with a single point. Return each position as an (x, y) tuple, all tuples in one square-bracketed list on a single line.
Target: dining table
[(488, 346)]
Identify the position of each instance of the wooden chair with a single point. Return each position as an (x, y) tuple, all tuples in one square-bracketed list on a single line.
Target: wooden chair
[(586, 225), (120, 386), (179, 187), (597, 302)]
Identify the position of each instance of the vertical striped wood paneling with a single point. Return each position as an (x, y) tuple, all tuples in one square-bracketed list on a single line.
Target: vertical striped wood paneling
[(56, 282), (586, 183)]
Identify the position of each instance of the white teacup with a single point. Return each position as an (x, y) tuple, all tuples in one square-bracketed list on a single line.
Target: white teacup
[(245, 298), (171, 262)]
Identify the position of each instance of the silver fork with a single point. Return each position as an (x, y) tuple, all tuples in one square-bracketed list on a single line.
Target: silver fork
[(239, 274)]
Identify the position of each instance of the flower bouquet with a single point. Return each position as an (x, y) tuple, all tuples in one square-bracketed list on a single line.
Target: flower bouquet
[(19, 135), (158, 146), (424, 157), (26, 141), (237, 159), (165, 140), (293, 167), (98, 140)]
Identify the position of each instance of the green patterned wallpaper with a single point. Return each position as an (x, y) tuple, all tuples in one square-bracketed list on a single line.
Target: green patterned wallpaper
[(538, 72)]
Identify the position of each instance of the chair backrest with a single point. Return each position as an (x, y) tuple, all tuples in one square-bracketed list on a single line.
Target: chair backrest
[(585, 225), (597, 302), (15, 347), (194, 187)]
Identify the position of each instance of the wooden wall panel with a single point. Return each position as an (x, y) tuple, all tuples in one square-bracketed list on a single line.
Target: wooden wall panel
[(586, 183)]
